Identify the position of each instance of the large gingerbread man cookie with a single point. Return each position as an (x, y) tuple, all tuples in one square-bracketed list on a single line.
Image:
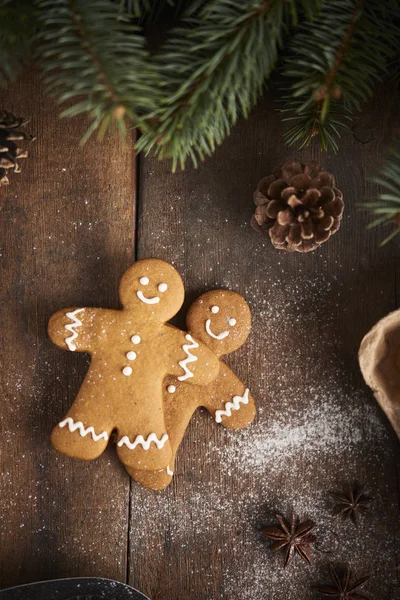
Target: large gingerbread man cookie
[(221, 319), (132, 352)]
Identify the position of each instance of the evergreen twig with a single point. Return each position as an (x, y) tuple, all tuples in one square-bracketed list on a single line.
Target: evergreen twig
[(213, 68), (93, 58), (386, 208), (185, 99), (334, 65)]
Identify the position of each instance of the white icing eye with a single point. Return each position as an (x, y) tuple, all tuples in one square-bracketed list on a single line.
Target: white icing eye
[(144, 280), (215, 309), (162, 287), (127, 371), (171, 389), (135, 339), (131, 355), (232, 321)]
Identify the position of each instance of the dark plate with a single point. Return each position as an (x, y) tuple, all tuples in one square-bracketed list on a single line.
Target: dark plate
[(80, 588)]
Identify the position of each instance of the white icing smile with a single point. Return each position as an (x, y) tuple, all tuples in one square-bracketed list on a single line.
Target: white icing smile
[(216, 336), (143, 298)]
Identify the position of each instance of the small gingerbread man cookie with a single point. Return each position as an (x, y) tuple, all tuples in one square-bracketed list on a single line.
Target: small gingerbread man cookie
[(222, 320), (132, 351)]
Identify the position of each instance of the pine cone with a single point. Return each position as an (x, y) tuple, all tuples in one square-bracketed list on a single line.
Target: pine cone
[(10, 152), (299, 206)]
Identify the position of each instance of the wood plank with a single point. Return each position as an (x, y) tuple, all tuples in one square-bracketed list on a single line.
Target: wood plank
[(67, 234), (318, 425)]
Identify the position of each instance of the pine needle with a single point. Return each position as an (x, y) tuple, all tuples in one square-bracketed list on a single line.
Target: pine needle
[(387, 208), (213, 68), (334, 64), (92, 56)]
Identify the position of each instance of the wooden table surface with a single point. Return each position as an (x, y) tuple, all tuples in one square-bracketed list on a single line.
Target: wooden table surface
[(70, 225)]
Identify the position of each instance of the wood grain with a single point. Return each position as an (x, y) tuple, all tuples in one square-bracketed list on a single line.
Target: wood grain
[(67, 234), (310, 313)]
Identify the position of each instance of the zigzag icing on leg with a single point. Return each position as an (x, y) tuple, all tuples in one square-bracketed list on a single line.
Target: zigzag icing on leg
[(189, 357), (72, 327), (78, 425), (230, 406), (140, 441)]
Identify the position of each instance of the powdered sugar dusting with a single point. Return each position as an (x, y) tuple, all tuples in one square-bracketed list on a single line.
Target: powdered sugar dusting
[(324, 429), (313, 412)]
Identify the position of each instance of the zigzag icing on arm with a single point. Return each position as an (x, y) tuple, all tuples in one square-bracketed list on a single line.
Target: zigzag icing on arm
[(78, 425), (189, 357), (71, 327), (140, 441), (230, 406)]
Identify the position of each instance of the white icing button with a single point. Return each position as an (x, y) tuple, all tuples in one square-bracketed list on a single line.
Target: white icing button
[(131, 356), (144, 280), (127, 371), (135, 339), (171, 389), (162, 287), (232, 322), (215, 309)]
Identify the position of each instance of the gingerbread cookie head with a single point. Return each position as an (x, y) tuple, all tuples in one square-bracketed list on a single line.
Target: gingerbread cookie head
[(221, 319), (153, 289)]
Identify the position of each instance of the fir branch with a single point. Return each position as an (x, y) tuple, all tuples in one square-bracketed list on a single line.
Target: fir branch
[(334, 65), (16, 34), (213, 68), (93, 58), (386, 208)]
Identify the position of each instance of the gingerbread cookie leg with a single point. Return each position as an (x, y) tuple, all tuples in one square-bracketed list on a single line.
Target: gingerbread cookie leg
[(153, 480), (180, 402), (84, 431), (143, 451)]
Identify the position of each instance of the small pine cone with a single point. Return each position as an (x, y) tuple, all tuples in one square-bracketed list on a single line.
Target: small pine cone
[(299, 206), (10, 151)]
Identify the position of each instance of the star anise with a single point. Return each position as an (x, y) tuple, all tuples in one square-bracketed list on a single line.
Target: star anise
[(342, 588), (351, 502), (293, 537)]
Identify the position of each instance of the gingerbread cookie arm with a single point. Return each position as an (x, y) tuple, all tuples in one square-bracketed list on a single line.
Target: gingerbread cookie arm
[(228, 400), (75, 329), (196, 363)]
